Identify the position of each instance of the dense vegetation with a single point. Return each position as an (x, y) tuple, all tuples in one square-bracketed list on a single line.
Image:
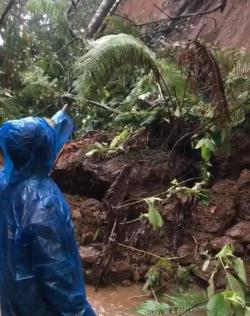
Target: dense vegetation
[(48, 56)]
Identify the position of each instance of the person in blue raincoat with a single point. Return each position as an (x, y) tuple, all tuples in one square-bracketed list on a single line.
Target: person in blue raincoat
[(40, 273)]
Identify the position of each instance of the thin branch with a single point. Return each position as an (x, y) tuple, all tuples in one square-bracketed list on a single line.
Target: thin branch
[(6, 11), (103, 106), (148, 253)]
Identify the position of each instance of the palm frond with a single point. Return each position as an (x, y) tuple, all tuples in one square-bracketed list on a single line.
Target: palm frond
[(183, 303), (111, 54)]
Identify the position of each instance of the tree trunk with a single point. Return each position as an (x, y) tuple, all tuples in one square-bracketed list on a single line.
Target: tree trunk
[(6, 11), (101, 13)]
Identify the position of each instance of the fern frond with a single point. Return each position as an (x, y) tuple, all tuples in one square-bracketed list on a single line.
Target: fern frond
[(238, 80), (187, 302), (151, 307), (183, 303), (111, 54)]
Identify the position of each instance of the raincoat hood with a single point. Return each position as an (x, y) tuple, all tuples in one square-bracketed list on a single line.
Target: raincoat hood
[(30, 145)]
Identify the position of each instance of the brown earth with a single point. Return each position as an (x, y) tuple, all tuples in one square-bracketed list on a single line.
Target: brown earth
[(114, 240), (141, 10), (229, 28)]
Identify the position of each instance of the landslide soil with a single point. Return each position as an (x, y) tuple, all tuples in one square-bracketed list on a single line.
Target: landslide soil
[(114, 243), (228, 28)]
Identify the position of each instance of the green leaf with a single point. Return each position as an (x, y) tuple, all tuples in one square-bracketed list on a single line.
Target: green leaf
[(217, 306), (211, 287), (207, 146), (119, 139), (154, 215), (210, 144), (240, 270), (205, 153), (200, 143), (235, 285)]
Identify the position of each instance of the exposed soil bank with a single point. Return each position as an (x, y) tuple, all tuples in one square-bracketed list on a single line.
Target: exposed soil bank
[(228, 27), (97, 187)]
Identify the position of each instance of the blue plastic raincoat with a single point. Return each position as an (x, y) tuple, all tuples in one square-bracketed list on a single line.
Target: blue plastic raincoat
[(40, 273)]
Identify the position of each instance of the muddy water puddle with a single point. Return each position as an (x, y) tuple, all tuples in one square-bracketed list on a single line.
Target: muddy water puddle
[(109, 301), (121, 301)]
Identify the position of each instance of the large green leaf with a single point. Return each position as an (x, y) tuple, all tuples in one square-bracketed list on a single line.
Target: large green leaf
[(240, 269), (235, 285), (217, 306)]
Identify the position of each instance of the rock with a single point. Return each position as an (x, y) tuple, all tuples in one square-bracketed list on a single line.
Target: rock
[(203, 239), (88, 255), (240, 232), (238, 159), (126, 283), (222, 209), (218, 243), (244, 179), (219, 278), (186, 253), (120, 271), (216, 217), (243, 199), (224, 188)]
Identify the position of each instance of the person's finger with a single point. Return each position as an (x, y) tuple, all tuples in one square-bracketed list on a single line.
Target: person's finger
[(66, 108)]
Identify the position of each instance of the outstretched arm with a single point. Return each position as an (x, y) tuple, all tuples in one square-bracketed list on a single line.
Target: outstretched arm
[(64, 127)]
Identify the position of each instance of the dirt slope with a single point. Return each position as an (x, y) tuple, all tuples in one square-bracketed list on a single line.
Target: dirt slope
[(141, 10), (229, 28), (111, 233)]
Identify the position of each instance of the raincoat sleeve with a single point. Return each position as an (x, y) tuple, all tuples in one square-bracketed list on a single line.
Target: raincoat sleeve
[(64, 127), (55, 262)]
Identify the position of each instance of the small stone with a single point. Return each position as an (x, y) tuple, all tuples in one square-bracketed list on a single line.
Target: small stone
[(240, 232), (244, 179), (186, 254), (88, 255), (218, 243), (126, 283), (120, 271)]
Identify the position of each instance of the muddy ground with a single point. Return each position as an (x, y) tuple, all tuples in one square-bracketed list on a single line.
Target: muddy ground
[(101, 192)]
